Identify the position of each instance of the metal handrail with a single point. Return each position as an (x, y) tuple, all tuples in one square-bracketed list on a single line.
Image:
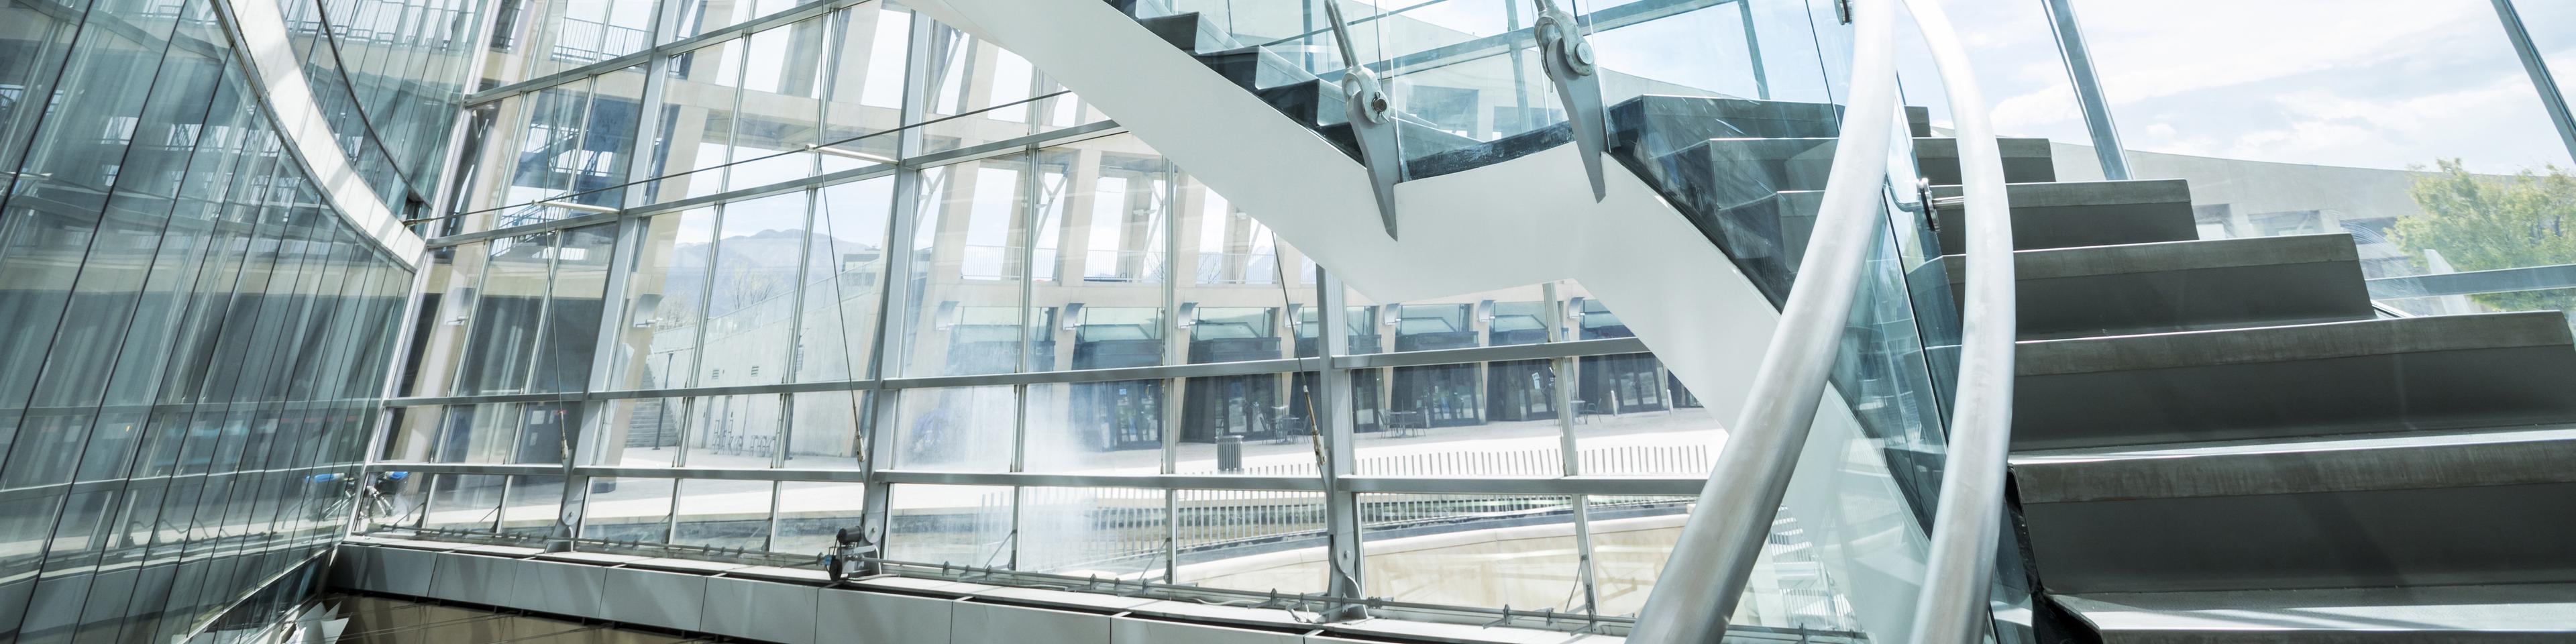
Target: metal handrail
[(1951, 606), (1724, 536)]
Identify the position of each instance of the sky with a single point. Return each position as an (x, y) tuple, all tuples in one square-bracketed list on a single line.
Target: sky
[(2388, 84), (2367, 83)]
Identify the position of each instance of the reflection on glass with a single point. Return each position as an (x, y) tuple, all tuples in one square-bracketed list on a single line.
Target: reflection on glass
[(532, 505), (1248, 540), (844, 278), (810, 515), (751, 302), (962, 525), (824, 434), (640, 433), (1095, 427), (781, 111), (738, 431), (866, 88), (1789, 588), (628, 509), (967, 265), (1417, 547), (720, 513), (666, 301), (698, 107), (1109, 532), (464, 502), (961, 429)]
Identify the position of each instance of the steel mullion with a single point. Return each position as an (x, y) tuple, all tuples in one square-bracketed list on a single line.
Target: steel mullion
[(892, 308)]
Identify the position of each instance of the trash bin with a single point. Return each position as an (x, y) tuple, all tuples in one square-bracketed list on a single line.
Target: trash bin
[(1229, 453)]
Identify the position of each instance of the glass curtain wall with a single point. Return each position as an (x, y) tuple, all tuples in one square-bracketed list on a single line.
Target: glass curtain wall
[(853, 253), (388, 76), (192, 343)]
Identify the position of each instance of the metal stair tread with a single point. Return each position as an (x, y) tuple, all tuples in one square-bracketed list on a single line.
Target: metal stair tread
[(2334, 463), (2082, 261), (2316, 341), (2517, 612), (2088, 193)]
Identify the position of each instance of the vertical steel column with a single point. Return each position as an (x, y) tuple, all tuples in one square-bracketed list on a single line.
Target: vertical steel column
[(1570, 451), (594, 417), (885, 361), (1175, 351), (2550, 99), (2088, 89), (1341, 507)]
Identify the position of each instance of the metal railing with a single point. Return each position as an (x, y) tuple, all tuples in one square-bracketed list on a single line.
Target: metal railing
[(1724, 536)]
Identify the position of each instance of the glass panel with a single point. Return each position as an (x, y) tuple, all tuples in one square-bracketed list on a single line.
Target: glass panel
[(410, 436), (961, 429), (810, 515), (1472, 550), (866, 91), (573, 306), (541, 431), (1246, 540), (733, 431), (484, 433), (1632, 536), (532, 506), (1109, 532), (844, 279), (508, 315), (608, 138), (464, 502), (641, 433), (752, 300), (698, 103), (968, 265), (782, 82), (666, 301), (1095, 427), (396, 503), (825, 433), (723, 514), (965, 525), (2406, 135), (702, 16), (1099, 259), (628, 509), (455, 276)]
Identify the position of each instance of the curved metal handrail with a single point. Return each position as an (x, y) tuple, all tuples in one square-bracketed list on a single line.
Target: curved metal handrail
[(1952, 605), (1725, 534)]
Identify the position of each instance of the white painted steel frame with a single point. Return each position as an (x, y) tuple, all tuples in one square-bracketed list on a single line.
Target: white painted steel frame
[(260, 33)]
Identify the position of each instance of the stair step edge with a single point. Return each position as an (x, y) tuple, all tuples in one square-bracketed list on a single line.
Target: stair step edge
[(2153, 257), (2348, 463), (2268, 615), (2293, 342)]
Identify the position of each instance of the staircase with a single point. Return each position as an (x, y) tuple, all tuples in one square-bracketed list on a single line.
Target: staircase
[(2214, 440), (2219, 440)]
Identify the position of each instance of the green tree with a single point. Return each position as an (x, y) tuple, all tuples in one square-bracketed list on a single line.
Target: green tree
[(2483, 222)]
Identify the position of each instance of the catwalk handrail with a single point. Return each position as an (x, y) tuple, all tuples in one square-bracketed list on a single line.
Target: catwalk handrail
[(1724, 537)]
